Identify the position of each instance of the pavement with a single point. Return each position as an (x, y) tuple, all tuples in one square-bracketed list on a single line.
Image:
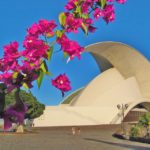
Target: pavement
[(62, 139)]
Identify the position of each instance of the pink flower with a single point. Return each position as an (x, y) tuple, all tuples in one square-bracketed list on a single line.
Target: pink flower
[(35, 49), (11, 56), (62, 83), (98, 13), (2, 65), (13, 114), (7, 79), (47, 27), (11, 50), (85, 7), (72, 48), (34, 30), (110, 0), (30, 73), (91, 29), (88, 23), (121, 1), (44, 27), (10, 64), (63, 39), (91, 2), (71, 4), (72, 24), (109, 14)]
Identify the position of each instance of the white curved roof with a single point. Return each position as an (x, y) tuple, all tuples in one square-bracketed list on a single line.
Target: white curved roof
[(125, 79), (109, 89), (126, 60)]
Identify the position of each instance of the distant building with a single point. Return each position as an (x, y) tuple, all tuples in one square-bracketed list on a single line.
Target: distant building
[(124, 81)]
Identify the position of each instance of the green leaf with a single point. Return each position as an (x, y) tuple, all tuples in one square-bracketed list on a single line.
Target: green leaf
[(48, 73), (85, 16), (76, 3), (78, 10), (59, 33), (40, 79), (44, 67), (62, 18), (103, 3), (25, 86), (15, 74), (65, 55), (85, 29), (49, 53)]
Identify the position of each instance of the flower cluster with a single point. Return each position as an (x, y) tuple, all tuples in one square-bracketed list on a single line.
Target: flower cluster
[(14, 115), (72, 48), (81, 15), (21, 68), (79, 11), (44, 27), (15, 73), (62, 83), (35, 47)]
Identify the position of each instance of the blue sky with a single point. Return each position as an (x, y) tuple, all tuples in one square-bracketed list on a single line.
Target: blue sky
[(132, 27)]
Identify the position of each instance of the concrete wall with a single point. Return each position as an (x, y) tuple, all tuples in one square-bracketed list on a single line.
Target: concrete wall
[(125, 79), (96, 107), (71, 116), (108, 89)]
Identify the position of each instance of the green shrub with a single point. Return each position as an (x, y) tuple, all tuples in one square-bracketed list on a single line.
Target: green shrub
[(135, 131), (145, 122)]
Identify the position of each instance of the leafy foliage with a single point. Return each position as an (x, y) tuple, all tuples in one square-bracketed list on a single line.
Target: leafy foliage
[(145, 119), (35, 108), (134, 132)]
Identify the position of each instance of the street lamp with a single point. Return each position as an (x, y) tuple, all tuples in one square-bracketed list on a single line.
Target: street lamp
[(122, 107)]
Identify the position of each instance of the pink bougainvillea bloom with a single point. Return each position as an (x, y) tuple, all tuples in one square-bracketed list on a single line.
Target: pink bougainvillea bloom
[(7, 79), (2, 65), (63, 39), (13, 114), (34, 30), (72, 48), (11, 50), (110, 0), (35, 49), (109, 14), (91, 2), (30, 73), (92, 29), (72, 24), (47, 27), (44, 27), (11, 56), (10, 64), (121, 1), (88, 22), (62, 83), (85, 7), (71, 4), (98, 13)]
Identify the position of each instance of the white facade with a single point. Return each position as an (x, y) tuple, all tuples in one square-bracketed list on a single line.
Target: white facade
[(119, 83)]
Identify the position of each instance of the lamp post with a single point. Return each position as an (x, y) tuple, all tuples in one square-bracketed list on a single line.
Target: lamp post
[(122, 107)]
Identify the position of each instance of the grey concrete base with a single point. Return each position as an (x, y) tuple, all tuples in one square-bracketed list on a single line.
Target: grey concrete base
[(62, 139)]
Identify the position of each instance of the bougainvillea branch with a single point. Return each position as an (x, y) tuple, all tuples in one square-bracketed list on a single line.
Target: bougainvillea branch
[(20, 68)]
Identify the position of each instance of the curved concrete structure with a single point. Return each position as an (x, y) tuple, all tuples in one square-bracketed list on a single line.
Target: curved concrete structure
[(125, 59), (125, 79)]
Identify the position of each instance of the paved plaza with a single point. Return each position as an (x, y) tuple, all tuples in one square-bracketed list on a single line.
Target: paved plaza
[(62, 139)]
